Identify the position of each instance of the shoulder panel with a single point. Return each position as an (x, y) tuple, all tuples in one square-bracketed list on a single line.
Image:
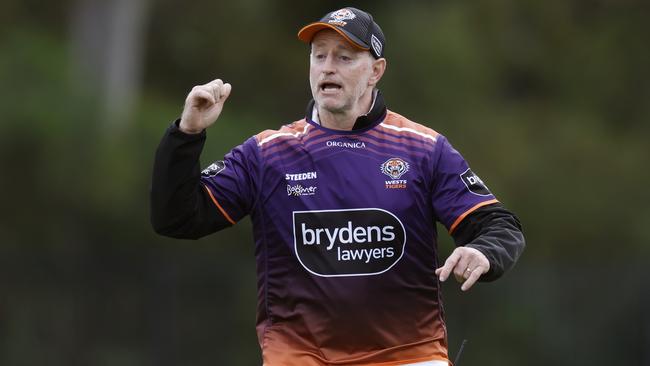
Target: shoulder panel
[(403, 125), (292, 130)]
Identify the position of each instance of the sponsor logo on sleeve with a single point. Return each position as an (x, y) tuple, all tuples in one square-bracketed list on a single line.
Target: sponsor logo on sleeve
[(214, 169), (348, 242), (395, 168), (474, 184)]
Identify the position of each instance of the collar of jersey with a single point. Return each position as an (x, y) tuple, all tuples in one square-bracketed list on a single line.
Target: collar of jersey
[(363, 123)]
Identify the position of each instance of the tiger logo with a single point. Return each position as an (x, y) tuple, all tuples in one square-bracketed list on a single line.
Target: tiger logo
[(343, 14), (340, 16), (394, 167)]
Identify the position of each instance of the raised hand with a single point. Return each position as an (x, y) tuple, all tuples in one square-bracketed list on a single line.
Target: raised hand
[(203, 106)]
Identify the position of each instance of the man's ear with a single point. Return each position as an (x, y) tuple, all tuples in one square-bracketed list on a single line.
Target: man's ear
[(378, 69)]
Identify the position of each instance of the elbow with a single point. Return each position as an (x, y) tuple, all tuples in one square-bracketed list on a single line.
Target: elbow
[(171, 232), (172, 229), (192, 224), (519, 244)]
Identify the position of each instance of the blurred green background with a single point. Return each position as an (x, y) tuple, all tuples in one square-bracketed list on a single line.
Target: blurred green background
[(548, 100)]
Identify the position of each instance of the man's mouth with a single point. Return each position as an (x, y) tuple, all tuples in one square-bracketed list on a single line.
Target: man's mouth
[(329, 86)]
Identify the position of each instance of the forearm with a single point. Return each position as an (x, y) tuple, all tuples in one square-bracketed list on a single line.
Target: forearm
[(495, 232), (180, 206)]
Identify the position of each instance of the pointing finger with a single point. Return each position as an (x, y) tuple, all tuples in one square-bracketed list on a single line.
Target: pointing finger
[(444, 271)]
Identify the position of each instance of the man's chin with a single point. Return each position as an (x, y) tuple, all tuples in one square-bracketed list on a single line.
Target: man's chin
[(330, 105)]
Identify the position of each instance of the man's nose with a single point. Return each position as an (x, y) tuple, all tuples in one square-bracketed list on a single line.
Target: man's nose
[(328, 65)]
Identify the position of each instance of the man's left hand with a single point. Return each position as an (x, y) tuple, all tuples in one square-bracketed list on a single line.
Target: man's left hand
[(467, 264)]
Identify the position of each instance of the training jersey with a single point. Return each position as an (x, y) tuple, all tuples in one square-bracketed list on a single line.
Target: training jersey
[(345, 237)]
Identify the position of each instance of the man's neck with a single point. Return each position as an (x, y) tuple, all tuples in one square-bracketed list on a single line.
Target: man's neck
[(345, 120)]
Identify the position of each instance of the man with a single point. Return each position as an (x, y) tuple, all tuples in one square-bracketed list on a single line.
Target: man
[(343, 204)]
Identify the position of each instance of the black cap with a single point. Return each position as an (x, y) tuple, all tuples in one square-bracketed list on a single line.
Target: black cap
[(354, 25)]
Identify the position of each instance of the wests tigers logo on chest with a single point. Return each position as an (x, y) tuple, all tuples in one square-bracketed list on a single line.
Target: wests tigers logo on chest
[(395, 168)]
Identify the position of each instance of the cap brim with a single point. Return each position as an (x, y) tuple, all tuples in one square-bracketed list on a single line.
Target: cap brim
[(306, 34)]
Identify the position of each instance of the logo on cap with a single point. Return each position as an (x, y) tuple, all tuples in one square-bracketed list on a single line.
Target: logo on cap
[(340, 16), (376, 45)]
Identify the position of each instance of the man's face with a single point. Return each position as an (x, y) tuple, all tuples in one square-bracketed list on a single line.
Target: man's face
[(339, 73)]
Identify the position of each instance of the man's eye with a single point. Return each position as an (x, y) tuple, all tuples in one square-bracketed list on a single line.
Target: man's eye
[(345, 58)]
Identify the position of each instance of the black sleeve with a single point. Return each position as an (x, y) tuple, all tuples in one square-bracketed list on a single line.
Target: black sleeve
[(180, 205), (496, 232)]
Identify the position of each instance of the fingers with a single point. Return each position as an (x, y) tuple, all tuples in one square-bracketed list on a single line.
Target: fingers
[(467, 264), (215, 88), (203, 106), (460, 271), (200, 95), (225, 91), (219, 89), (473, 276), (444, 271), (214, 92)]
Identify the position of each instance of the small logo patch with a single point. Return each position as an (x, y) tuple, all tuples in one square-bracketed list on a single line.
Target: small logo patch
[(394, 168), (214, 169), (376, 44), (299, 190), (474, 183)]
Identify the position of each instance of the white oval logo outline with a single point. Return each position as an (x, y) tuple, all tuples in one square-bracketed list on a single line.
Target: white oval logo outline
[(295, 242)]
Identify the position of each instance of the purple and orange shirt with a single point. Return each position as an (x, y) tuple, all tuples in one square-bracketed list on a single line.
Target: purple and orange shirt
[(345, 233)]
